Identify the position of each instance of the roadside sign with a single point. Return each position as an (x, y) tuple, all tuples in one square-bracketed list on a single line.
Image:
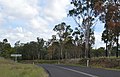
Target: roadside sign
[(16, 55), (118, 48)]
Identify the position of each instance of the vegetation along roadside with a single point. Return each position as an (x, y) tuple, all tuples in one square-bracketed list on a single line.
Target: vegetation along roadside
[(11, 69)]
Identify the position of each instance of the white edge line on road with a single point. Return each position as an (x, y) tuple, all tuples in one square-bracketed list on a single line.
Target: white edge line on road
[(77, 71)]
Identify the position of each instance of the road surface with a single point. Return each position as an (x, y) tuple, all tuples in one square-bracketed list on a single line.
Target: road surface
[(76, 71)]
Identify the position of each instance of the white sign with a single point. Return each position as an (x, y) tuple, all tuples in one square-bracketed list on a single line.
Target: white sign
[(16, 55), (118, 48)]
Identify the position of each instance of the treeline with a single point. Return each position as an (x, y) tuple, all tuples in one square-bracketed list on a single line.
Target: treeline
[(78, 42), (49, 50)]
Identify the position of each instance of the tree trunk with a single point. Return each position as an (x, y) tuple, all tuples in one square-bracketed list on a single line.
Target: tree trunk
[(38, 56), (87, 45), (61, 52), (117, 45), (66, 55), (89, 51), (87, 37), (106, 52)]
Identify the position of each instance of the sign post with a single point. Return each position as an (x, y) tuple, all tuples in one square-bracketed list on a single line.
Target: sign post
[(16, 56)]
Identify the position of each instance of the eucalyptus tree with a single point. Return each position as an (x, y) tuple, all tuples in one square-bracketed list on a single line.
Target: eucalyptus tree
[(109, 11), (105, 39), (40, 48), (5, 48), (117, 34), (69, 49), (5, 41), (85, 17), (68, 42), (79, 42), (64, 32), (109, 39), (54, 48), (18, 47), (67, 33), (60, 30), (17, 44)]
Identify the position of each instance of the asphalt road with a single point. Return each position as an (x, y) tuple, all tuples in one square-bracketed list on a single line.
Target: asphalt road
[(76, 71)]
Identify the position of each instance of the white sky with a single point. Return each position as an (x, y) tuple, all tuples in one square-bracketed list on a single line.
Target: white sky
[(25, 20)]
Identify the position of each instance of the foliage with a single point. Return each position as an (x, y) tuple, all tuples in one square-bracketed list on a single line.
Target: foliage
[(5, 49), (98, 52), (31, 50), (64, 32), (110, 15), (54, 51), (85, 17)]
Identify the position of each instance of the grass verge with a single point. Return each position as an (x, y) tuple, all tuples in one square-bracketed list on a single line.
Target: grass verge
[(105, 63), (11, 69)]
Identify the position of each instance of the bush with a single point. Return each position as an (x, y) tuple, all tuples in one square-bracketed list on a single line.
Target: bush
[(96, 62), (105, 62)]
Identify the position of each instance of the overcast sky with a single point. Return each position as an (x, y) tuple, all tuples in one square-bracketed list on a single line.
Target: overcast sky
[(25, 20)]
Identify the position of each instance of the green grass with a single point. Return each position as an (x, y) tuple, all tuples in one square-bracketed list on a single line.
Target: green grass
[(11, 69)]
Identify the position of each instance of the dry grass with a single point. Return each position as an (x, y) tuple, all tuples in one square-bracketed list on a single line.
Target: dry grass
[(10, 69)]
